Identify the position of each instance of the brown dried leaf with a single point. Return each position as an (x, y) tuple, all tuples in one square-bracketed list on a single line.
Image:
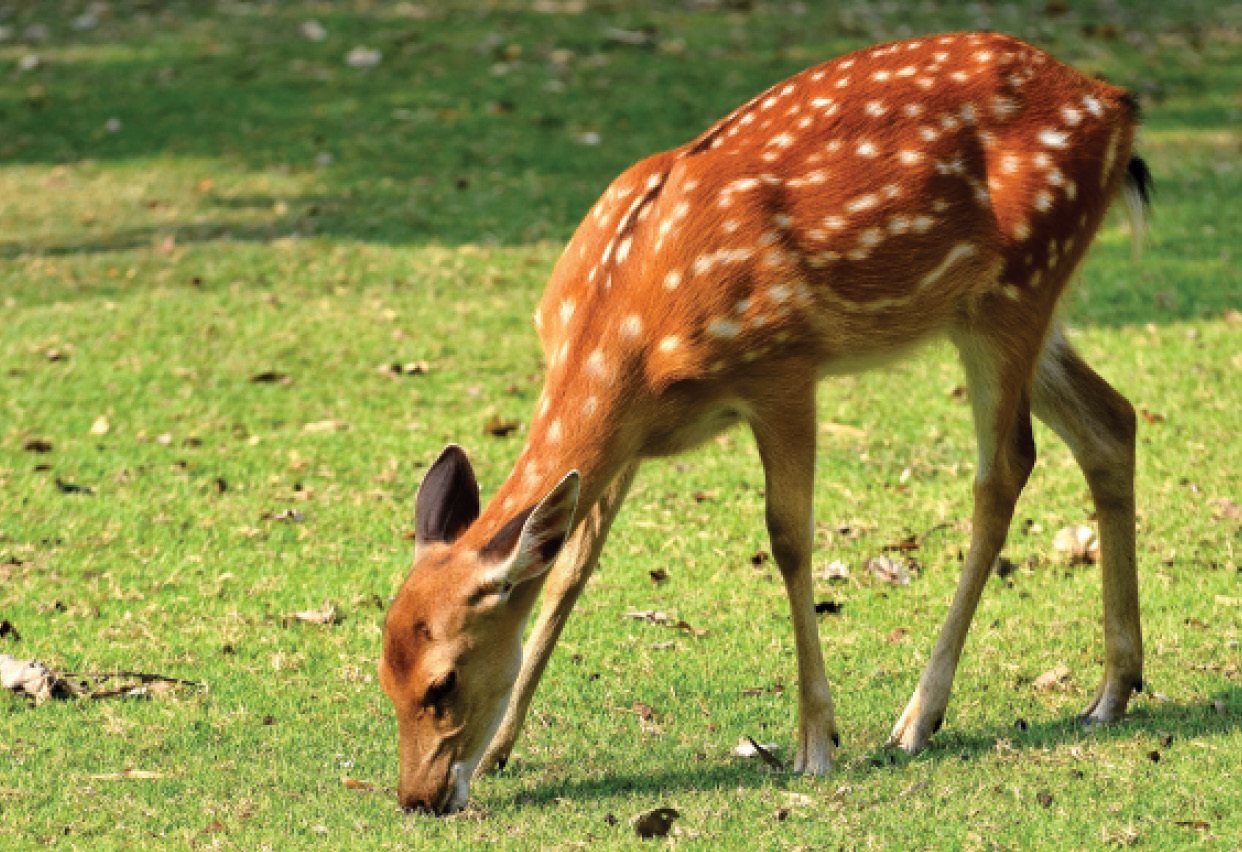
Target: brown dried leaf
[(1226, 509), (128, 775), (1058, 677), (834, 570), (271, 377), (37, 445), (321, 426), (34, 680), (500, 427), (828, 607), (355, 784), (655, 823), (889, 570), (657, 575), (896, 636), (764, 753), (326, 614), (1077, 544)]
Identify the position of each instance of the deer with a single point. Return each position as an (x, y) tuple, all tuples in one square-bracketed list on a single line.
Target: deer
[(945, 186)]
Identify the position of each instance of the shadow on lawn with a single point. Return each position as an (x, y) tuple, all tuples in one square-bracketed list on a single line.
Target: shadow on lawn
[(1157, 720)]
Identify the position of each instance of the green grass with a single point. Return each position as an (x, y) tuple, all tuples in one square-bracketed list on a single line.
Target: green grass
[(261, 206)]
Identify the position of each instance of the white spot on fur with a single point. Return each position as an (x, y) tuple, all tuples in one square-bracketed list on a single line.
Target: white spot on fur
[(861, 203), (553, 434), (1053, 138), (1021, 230), (567, 310), (596, 365), (623, 249), (672, 279), (1093, 105), (589, 406), (1043, 201), (922, 224), (867, 149), (668, 344), (875, 108), (870, 238), (909, 158), (834, 223), (631, 326), (912, 110), (723, 329)]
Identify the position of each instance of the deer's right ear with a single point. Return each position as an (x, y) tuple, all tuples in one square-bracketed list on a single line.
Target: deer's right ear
[(448, 499)]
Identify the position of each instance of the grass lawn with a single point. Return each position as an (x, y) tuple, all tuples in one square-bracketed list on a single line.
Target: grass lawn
[(194, 195)]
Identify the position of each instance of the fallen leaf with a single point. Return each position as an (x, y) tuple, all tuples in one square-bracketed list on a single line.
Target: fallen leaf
[(1151, 416), (363, 57), (1044, 799), (834, 570), (657, 575), (500, 427), (73, 488), (290, 515), (644, 711), (101, 426), (655, 823), (312, 30), (1077, 544), (644, 37), (326, 614), (1055, 678), (906, 544), (888, 570), (748, 748), (128, 775), (409, 368), (7, 629), (896, 636), (37, 445), (271, 377), (648, 615), (759, 557), (33, 679), (1226, 509), (1196, 824), (355, 784), (704, 496), (828, 607), (1004, 567), (321, 426)]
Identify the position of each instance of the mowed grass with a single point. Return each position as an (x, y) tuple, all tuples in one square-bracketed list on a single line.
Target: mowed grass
[(194, 198)]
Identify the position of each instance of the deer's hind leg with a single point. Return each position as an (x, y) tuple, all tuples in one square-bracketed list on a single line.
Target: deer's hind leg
[(1098, 424), (997, 352)]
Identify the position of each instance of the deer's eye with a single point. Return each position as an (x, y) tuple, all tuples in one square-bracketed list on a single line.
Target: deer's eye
[(440, 691)]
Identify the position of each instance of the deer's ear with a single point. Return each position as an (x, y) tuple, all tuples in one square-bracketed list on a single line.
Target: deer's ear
[(527, 546), (448, 499)]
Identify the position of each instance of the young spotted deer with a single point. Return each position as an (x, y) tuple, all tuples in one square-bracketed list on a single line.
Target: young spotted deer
[(945, 185)]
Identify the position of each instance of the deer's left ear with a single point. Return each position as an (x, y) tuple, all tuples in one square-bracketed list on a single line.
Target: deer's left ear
[(527, 546)]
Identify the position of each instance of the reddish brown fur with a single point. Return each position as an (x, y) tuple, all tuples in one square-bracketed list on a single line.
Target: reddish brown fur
[(941, 185)]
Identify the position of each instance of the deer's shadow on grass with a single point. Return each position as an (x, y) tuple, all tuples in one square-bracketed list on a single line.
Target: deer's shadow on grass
[(1147, 718)]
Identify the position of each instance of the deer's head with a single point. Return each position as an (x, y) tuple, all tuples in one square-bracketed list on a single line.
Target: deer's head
[(453, 637)]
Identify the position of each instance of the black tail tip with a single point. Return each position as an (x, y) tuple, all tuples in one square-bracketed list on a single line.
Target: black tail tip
[(1140, 178)]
